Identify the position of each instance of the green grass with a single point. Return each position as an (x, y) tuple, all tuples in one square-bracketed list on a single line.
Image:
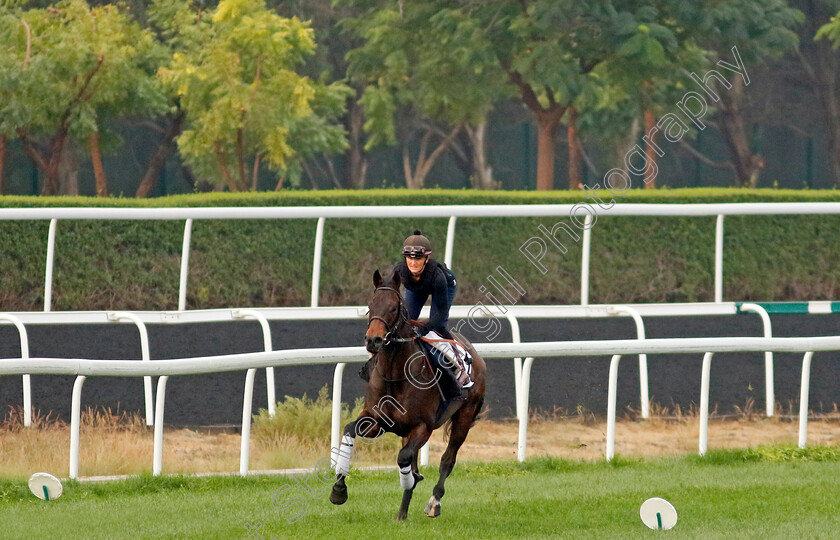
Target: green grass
[(769, 492)]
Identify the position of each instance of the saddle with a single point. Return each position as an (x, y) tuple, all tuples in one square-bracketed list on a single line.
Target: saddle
[(457, 356)]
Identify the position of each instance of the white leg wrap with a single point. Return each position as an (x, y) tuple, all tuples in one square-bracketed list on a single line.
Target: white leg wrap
[(406, 478), (345, 452)]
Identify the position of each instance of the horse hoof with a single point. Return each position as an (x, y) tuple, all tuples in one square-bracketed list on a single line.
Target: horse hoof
[(338, 496), (433, 507), (401, 516)]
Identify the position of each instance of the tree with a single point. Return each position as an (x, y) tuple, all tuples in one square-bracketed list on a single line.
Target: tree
[(329, 63), (639, 87), (245, 105), (821, 62), (757, 31), (550, 51), (10, 114), (428, 70), (74, 67)]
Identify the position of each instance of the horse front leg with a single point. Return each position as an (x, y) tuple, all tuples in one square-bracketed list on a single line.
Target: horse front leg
[(346, 453), (407, 462), (364, 426)]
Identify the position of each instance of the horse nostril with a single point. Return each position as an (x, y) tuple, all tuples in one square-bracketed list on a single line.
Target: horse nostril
[(377, 340)]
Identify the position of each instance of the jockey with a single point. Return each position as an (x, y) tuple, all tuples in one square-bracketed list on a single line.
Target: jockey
[(423, 277)]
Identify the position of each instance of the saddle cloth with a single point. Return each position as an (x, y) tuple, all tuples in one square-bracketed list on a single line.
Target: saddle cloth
[(455, 353)]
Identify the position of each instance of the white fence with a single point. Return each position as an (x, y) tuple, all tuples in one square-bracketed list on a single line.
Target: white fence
[(521, 370), (263, 315), (452, 212), (296, 357)]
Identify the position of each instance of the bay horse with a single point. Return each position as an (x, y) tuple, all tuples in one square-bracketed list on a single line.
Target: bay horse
[(402, 398)]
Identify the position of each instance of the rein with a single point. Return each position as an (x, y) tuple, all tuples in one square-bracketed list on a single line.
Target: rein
[(390, 332)]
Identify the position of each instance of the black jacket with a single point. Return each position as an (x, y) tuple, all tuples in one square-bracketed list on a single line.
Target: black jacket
[(435, 281)]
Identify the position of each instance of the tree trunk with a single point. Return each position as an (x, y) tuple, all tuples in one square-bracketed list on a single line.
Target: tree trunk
[(156, 162), (826, 83), (68, 174), (356, 171), (2, 158), (575, 176), (98, 171), (622, 148), (547, 121), (48, 164), (747, 165), (224, 172), (482, 173), (650, 153), (52, 181), (832, 122), (414, 179), (243, 183), (255, 172)]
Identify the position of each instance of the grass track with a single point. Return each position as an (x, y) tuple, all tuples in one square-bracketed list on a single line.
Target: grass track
[(765, 493)]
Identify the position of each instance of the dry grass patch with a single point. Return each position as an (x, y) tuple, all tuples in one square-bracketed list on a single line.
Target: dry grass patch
[(120, 443)]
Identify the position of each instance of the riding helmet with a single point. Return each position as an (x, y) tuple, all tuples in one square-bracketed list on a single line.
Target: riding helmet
[(416, 246)]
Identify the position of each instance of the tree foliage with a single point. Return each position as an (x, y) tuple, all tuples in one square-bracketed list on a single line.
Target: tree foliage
[(426, 67), (242, 89), (71, 68), (235, 75)]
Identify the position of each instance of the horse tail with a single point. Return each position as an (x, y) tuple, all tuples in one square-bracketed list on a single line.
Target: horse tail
[(480, 414), (447, 429)]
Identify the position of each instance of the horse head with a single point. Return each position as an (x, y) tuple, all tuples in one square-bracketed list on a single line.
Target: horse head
[(386, 312)]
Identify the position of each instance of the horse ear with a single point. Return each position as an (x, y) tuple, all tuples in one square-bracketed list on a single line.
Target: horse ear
[(377, 278), (396, 279)]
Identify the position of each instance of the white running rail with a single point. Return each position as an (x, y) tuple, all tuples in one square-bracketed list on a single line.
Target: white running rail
[(212, 364)]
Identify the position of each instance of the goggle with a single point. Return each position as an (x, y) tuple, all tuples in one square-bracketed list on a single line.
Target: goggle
[(414, 251)]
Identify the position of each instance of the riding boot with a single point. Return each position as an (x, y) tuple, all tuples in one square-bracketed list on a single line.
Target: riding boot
[(449, 386), (448, 383), (445, 333)]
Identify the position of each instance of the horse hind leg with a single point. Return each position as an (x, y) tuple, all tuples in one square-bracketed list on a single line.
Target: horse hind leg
[(461, 423)]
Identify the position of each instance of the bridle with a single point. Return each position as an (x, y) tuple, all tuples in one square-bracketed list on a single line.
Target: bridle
[(390, 331)]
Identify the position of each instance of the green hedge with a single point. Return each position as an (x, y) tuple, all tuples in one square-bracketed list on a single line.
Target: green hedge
[(135, 264)]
